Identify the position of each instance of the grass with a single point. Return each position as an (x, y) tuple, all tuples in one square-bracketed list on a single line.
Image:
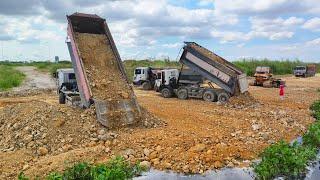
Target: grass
[(44, 66), (9, 77), (116, 168), (291, 160), (278, 67)]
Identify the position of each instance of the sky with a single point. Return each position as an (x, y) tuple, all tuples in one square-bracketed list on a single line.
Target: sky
[(156, 29)]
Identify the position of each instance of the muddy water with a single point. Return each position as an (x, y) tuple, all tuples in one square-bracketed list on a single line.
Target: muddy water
[(224, 174)]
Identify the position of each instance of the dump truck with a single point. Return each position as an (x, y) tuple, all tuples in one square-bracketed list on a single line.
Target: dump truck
[(213, 68), (145, 77), (305, 71), (67, 87), (100, 75), (264, 77)]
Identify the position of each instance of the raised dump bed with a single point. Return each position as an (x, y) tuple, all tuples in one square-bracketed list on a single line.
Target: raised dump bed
[(100, 74), (214, 68)]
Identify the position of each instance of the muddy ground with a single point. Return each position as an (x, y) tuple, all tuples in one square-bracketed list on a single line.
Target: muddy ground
[(197, 135)]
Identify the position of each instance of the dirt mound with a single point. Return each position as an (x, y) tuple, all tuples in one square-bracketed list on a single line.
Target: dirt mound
[(27, 92), (47, 128), (102, 69), (241, 101)]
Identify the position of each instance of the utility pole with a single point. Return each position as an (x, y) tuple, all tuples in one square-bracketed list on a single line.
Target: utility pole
[(2, 50)]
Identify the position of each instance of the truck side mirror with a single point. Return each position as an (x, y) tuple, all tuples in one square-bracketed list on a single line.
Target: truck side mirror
[(55, 74)]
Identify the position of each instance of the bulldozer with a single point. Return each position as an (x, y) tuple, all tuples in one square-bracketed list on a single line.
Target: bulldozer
[(264, 77)]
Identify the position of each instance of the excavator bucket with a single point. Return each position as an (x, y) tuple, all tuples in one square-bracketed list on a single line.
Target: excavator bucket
[(100, 74)]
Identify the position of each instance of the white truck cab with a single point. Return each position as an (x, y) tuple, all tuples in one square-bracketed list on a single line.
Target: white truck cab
[(165, 76), (141, 75)]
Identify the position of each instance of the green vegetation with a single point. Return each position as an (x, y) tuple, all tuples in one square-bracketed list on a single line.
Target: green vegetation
[(45, 66), (130, 65), (9, 77), (116, 168), (51, 67), (278, 67), (290, 160)]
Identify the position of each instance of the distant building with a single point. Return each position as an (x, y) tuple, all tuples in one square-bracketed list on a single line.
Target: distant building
[(56, 59)]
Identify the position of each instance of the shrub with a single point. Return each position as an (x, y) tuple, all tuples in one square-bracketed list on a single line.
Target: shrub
[(283, 159), (315, 107), (10, 77), (116, 168)]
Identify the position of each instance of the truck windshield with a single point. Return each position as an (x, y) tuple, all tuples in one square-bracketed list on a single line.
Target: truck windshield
[(299, 68), (137, 71), (72, 76)]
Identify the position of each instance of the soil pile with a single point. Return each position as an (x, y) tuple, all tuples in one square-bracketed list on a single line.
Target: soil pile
[(27, 92), (102, 70), (46, 128)]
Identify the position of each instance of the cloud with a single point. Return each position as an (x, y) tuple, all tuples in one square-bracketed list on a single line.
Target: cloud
[(172, 45), (312, 24), (272, 29), (271, 8), (20, 7), (315, 42)]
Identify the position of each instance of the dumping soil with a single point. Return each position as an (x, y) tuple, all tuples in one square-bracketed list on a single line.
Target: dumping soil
[(104, 76)]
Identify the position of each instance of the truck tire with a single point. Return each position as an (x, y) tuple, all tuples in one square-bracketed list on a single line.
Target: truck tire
[(146, 86), (209, 96), (182, 93), (166, 93), (62, 98), (223, 97)]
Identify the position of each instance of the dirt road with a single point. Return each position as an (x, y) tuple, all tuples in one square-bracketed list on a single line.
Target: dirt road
[(198, 135), (35, 79)]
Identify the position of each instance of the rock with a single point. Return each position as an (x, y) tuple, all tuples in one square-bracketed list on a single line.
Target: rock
[(28, 138), (103, 137), (146, 151), (185, 169), (167, 165), (25, 167), (158, 148), (42, 151), (209, 152), (230, 165), (145, 164), (198, 148), (217, 164), (101, 132), (255, 127), (107, 150), (155, 161), (128, 152)]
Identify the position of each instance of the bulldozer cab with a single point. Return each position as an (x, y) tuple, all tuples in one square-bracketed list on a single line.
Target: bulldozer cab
[(263, 71)]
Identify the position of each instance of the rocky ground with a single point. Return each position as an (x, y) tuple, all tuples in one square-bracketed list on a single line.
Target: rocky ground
[(38, 135)]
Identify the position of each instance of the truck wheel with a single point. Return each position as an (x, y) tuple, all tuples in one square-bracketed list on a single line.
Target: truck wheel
[(223, 97), (166, 93), (62, 98), (209, 96), (182, 93), (146, 86)]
